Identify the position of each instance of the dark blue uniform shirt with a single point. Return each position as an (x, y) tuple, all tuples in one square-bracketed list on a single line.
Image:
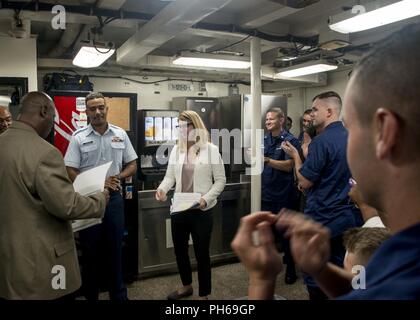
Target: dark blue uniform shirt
[(300, 138), (326, 167), (277, 185), (394, 270)]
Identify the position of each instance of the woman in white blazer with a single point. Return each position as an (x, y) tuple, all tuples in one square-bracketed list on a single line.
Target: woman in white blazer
[(195, 165)]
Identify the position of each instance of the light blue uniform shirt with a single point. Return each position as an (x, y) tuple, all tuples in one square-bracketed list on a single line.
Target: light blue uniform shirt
[(89, 149)]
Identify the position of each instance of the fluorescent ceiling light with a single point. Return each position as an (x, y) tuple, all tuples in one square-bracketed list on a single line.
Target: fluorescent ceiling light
[(91, 57), (306, 68), (387, 14), (211, 60), (288, 58)]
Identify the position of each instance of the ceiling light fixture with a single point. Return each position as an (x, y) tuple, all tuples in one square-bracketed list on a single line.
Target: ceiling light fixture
[(92, 54), (306, 68), (211, 60), (288, 58), (349, 23)]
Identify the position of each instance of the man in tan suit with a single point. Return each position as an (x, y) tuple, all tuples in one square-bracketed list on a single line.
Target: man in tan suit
[(38, 203)]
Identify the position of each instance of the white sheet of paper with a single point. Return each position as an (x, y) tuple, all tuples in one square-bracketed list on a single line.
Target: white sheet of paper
[(91, 181), (78, 225), (87, 183), (184, 201)]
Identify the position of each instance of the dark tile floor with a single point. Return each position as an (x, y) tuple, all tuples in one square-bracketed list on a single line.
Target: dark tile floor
[(230, 281)]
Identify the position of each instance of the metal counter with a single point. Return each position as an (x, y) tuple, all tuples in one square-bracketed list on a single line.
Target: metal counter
[(156, 254)]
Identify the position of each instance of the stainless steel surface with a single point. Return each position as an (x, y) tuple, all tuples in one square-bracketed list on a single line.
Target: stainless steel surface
[(221, 117), (232, 109), (156, 254), (207, 108), (215, 114)]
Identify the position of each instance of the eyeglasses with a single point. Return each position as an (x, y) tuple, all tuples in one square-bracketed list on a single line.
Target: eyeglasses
[(184, 125)]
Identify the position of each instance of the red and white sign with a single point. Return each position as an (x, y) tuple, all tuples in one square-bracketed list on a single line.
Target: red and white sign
[(70, 116)]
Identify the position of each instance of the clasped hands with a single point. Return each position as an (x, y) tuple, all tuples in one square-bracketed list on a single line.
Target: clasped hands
[(309, 241)]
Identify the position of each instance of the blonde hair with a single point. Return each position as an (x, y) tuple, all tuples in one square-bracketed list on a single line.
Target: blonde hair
[(201, 134)]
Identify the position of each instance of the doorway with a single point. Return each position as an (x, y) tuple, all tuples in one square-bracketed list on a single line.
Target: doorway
[(12, 90)]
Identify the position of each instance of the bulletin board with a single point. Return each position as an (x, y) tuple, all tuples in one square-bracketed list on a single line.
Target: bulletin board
[(119, 112)]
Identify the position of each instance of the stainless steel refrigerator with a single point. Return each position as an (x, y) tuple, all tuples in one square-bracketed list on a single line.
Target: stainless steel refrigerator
[(231, 112), (239, 108)]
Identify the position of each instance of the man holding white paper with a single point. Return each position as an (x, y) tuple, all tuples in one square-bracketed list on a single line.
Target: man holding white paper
[(87, 183), (38, 202), (92, 146), (197, 170)]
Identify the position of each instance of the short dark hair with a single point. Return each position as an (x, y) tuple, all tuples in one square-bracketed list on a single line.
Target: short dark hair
[(94, 95), (328, 94), (388, 76), (276, 110), (363, 242), (290, 119), (32, 101), (307, 111)]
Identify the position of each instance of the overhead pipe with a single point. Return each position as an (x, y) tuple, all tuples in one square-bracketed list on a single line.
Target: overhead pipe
[(308, 41), (123, 14), (84, 9), (67, 39), (296, 4)]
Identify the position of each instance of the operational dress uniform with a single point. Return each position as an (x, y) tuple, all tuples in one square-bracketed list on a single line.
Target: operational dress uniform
[(327, 200), (278, 187), (88, 149)]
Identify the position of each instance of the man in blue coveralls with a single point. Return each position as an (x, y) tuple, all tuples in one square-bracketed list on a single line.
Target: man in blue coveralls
[(325, 176), (96, 144), (278, 188)]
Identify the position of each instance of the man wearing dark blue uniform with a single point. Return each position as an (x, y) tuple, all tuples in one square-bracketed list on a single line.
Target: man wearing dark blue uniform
[(278, 188), (325, 177), (381, 112)]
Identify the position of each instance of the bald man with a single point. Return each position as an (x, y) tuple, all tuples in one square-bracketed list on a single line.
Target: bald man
[(5, 119), (325, 176), (38, 257)]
